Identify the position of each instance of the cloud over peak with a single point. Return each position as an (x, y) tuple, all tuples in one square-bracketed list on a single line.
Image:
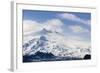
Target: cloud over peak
[(54, 25), (33, 26)]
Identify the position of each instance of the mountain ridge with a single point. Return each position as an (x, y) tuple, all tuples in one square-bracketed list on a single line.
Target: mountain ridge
[(51, 42)]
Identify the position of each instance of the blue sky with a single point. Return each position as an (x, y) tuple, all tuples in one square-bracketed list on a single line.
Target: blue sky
[(76, 24), (46, 15)]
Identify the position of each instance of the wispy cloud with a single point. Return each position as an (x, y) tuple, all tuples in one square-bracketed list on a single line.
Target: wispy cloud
[(33, 26), (78, 29), (29, 25), (73, 17), (54, 25)]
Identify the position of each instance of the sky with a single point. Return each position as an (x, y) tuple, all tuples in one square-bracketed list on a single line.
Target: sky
[(70, 24)]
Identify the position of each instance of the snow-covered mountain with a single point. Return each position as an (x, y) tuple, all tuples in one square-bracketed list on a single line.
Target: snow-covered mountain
[(46, 41)]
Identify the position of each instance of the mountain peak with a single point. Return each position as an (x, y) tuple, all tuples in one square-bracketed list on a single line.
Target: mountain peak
[(45, 31)]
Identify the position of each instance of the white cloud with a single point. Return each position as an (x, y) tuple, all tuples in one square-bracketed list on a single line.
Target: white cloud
[(54, 25), (33, 26), (78, 29), (29, 25), (73, 17), (69, 16)]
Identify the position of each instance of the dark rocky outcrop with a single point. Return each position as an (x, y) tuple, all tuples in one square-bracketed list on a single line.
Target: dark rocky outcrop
[(87, 56)]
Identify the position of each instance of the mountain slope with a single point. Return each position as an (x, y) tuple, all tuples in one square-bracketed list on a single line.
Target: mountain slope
[(46, 43)]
